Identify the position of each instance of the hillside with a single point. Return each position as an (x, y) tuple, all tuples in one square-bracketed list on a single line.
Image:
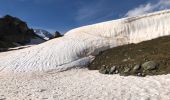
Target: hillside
[(78, 47), (46, 35), (14, 31), (146, 58)]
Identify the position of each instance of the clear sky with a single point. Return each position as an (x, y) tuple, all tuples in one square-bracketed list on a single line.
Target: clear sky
[(63, 15)]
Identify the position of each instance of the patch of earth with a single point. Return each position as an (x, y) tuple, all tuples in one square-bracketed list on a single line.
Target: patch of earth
[(146, 58)]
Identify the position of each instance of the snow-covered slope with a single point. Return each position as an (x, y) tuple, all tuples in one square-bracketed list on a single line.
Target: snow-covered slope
[(79, 46)]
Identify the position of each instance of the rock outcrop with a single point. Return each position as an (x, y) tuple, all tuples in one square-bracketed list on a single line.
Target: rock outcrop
[(146, 58), (13, 31)]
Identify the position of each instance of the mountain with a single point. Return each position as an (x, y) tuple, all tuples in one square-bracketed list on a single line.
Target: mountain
[(43, 34), (57, 34), (47, 35), (78, 47), (14, 31)]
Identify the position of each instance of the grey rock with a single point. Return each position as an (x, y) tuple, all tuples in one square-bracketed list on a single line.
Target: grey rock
[(140, 50), (124, 60), (112, 70), (139, 74), (116, 72), (126, 69), (124, 74), (104, 70), (143, 74), (103, 65), (149, 65), (136, 67)]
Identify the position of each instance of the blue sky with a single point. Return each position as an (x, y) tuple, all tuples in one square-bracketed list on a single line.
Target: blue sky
[(63, 15)]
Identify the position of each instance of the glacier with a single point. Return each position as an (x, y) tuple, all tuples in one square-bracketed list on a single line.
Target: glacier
[(79, 46)]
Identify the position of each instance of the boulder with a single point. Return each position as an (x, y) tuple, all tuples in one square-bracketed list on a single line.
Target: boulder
[(149, 65)]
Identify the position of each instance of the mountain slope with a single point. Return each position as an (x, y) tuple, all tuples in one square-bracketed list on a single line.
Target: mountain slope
[(130, 59), (43, 34), (46, 35), (79, 46), (15, 32)]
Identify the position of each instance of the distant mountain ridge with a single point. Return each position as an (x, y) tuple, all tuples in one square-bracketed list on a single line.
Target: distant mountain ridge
[(12, 31), (43, 34), (46, 35), (15, 32)]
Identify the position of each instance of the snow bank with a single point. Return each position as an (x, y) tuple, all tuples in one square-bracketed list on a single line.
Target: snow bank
[(79, 46), (83, 84)]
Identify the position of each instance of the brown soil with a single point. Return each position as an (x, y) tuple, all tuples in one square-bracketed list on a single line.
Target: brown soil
[(124, 59)]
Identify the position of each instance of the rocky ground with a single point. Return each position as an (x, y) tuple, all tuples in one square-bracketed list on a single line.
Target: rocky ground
[(146, 58)]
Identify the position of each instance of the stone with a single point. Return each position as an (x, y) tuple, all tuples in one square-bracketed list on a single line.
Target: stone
[(116, 72), (136, 67), (124, 60), (141, 74), (104, 70), (149, 65), (103, 65), (126, 69), (112, 70), (124, 74)]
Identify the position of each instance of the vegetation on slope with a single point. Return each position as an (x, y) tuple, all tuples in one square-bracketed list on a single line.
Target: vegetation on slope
[(146, 58)]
